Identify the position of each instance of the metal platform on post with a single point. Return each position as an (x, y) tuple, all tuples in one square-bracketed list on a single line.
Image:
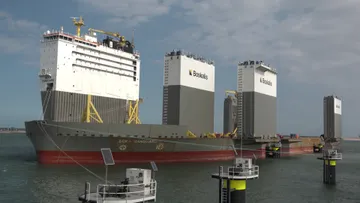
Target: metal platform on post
[(329, 165), (273, 150), (232, 183), (138, 186)]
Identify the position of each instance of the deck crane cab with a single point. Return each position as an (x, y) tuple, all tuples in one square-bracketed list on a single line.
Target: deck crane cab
[(121, 43)]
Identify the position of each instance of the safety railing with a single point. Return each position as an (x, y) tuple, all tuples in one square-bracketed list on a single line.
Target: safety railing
[(246, 171), (56, 32), (125, 191), (332, 155)]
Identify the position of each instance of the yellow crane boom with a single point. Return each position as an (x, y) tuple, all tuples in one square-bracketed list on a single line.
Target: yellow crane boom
[(227, 92), (122, 40)]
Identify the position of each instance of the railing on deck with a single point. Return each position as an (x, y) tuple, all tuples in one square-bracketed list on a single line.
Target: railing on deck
[(332, 154), (60, 32), (246, 171), (137, 190), (125, 192)]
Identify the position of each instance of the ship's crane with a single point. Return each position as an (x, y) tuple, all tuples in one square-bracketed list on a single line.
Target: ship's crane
[(190, 134), (78, 23), (121, 38), (232, 134), (228, 92)]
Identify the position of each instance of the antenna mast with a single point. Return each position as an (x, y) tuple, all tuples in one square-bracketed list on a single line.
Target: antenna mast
[(132, 40)]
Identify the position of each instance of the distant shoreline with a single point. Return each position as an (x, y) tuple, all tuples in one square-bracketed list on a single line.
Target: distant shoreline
[(23, 132), (351, 139), (13, 132)]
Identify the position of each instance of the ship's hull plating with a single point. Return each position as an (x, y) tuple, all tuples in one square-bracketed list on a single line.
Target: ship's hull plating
[(189, 106), (70, 143), (259, 114), (68, 107), (82, 142)]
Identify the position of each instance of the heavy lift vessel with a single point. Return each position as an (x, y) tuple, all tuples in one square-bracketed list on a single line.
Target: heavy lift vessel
[(132, 142), (58, 140), (61, 141)]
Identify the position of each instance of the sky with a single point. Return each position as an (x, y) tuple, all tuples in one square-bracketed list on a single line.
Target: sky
[(314, 46)]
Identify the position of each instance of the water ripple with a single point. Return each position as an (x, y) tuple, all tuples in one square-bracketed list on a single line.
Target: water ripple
[(294, 179)]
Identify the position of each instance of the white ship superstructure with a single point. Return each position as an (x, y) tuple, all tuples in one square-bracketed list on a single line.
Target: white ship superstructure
[(256, 105), (188, 93), (72, 67)]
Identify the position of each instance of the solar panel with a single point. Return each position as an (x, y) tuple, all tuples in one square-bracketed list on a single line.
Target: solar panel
[(107, 156), (153, 165)]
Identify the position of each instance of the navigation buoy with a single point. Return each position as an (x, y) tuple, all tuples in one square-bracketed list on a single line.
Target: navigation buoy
[(232, 183), (273, 150), (329, 165)]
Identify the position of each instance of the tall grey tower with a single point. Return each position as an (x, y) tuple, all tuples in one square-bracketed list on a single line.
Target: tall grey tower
[(256, 99), (229, 122), (332, 118), (188, 94)]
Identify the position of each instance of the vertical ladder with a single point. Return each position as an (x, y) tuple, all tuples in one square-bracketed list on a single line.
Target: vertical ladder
[(223, 195), (165, 105), (165, 93), (239, 97)]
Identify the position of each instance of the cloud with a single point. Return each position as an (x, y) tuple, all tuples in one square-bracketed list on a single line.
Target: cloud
[(314, 43), (128, 12), (311, 41), (19, 36)]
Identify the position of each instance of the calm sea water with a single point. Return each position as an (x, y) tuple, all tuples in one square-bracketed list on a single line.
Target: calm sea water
[(295, 179)]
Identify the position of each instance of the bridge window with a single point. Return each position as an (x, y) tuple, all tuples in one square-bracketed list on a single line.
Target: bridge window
[(49, 86)]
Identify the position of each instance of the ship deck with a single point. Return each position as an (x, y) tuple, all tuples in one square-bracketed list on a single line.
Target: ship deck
[(290, 140)]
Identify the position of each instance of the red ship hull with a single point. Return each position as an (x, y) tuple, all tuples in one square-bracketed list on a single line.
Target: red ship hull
[(290, 151), (86, 157)]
